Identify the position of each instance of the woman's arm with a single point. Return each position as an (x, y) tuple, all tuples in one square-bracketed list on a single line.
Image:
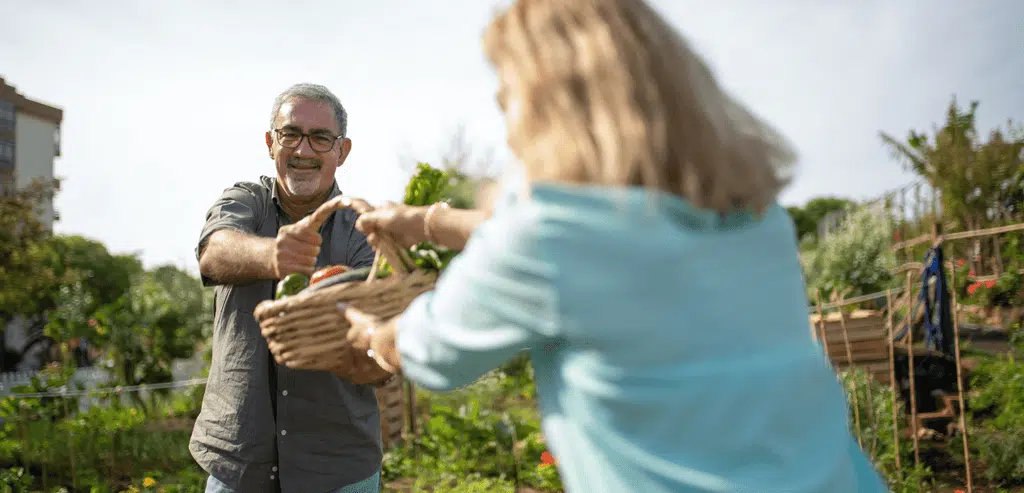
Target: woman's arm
[(450, 228), (494, 300)]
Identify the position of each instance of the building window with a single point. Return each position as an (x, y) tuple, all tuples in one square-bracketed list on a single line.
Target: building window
[(6, 114), (6, 153), (6, 181)]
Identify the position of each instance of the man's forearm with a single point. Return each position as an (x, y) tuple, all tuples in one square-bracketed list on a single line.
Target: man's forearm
[(233, 257)]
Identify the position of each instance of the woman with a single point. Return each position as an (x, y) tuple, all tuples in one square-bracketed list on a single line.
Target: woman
[(643, 261)]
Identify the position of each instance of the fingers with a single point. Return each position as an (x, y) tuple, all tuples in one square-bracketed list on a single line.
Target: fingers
[(371, 221), (296, 249), (361, 326), (358, 205), (306, 268), (303, 231), (293, 248), (357, 318)]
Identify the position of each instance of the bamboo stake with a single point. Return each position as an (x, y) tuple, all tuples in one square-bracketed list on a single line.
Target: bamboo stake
[(871, 412), (910, 359), (26, 454), (45, 457), (960, 380), (892, 384), (853, 373), (821, 325), (71, 448)]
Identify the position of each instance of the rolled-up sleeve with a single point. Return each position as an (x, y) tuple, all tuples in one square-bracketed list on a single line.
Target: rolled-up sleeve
[(494, 300), (235, 209)]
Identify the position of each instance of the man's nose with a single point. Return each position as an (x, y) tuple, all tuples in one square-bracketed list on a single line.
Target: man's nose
[(305, 149)]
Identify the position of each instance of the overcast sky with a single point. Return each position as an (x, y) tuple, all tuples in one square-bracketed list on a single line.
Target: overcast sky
[(166, 101)]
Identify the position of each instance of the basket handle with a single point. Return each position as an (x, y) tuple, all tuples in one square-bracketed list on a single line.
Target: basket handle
[(387, 248)]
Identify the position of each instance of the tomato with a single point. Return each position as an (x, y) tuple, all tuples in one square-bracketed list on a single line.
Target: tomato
[(326, 272)]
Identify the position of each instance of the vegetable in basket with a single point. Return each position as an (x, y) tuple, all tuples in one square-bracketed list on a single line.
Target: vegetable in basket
[(427, 186), (291, 284), (331, 270)]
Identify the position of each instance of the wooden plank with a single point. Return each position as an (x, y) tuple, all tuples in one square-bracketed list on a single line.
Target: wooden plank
[(837, 338), (390, 401), (865, 357), (861, 345), (855, 327)]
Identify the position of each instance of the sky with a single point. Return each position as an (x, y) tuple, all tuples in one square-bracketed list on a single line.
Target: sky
[(166, 102)]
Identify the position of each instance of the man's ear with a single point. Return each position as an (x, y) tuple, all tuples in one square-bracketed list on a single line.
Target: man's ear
[(346, 147), (270, 144)]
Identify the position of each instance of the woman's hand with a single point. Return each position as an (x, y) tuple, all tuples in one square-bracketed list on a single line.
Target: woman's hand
[(374, 337), (404, 223)]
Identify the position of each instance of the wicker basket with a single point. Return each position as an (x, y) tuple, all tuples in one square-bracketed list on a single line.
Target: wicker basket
[(310, 326)]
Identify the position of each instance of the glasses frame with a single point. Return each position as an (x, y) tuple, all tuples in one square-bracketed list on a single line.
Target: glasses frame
[(307, 137)]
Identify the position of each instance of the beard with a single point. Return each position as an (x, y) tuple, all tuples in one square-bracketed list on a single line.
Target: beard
[(302, 176)]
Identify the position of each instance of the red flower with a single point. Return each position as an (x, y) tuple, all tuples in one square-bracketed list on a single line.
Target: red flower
[(973, 287), (960, 261), (546, 459), (92, 322), (990, 284)]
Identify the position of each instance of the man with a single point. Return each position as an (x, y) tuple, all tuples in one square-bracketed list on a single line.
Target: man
[(265, 427)]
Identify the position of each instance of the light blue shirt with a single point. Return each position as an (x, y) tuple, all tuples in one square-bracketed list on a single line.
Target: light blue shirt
[(670, 345)]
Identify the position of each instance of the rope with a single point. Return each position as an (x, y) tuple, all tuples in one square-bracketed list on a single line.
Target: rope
[(64, 392)]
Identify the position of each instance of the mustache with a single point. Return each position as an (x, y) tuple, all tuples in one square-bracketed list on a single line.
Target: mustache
[(305, 162)]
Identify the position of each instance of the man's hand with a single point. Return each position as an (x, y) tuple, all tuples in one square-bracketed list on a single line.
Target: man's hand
[(363, 370), (295, 249)]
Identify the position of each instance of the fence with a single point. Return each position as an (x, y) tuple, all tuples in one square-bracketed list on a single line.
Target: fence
[(63, 437), (914, 203)]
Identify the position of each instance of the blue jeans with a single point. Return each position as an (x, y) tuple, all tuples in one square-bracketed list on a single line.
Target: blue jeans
[(368, 485)]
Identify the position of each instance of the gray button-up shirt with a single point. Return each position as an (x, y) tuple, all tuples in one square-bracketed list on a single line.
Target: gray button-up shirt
[(327, 430)]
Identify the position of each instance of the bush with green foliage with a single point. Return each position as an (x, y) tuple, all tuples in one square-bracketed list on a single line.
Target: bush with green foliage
[(998, 439), (854, 260), (495, 418), (874, 407)]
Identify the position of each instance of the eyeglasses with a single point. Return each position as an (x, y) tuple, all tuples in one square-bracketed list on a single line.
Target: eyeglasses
[(319, 142)]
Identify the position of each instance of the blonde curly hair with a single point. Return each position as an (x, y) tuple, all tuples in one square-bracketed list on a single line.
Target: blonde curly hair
[(606, 92)]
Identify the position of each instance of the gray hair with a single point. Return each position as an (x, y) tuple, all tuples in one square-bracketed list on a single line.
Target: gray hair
[(312, 92)]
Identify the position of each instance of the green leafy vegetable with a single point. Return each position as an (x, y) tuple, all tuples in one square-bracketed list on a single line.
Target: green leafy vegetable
[(427, 186)]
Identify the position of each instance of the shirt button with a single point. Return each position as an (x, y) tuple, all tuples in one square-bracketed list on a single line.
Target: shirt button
[(284, 392), (274, 468), (271, 476), (284, 432)]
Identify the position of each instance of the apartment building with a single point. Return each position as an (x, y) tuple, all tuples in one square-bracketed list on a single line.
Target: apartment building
[(29, 142)]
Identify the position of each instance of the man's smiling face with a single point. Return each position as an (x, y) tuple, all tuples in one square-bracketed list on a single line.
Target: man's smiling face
[(306, 170)]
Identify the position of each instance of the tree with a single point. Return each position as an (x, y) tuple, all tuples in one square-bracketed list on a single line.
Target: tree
[(22, 247), (162, 317), (979, 180), (809, 217)]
